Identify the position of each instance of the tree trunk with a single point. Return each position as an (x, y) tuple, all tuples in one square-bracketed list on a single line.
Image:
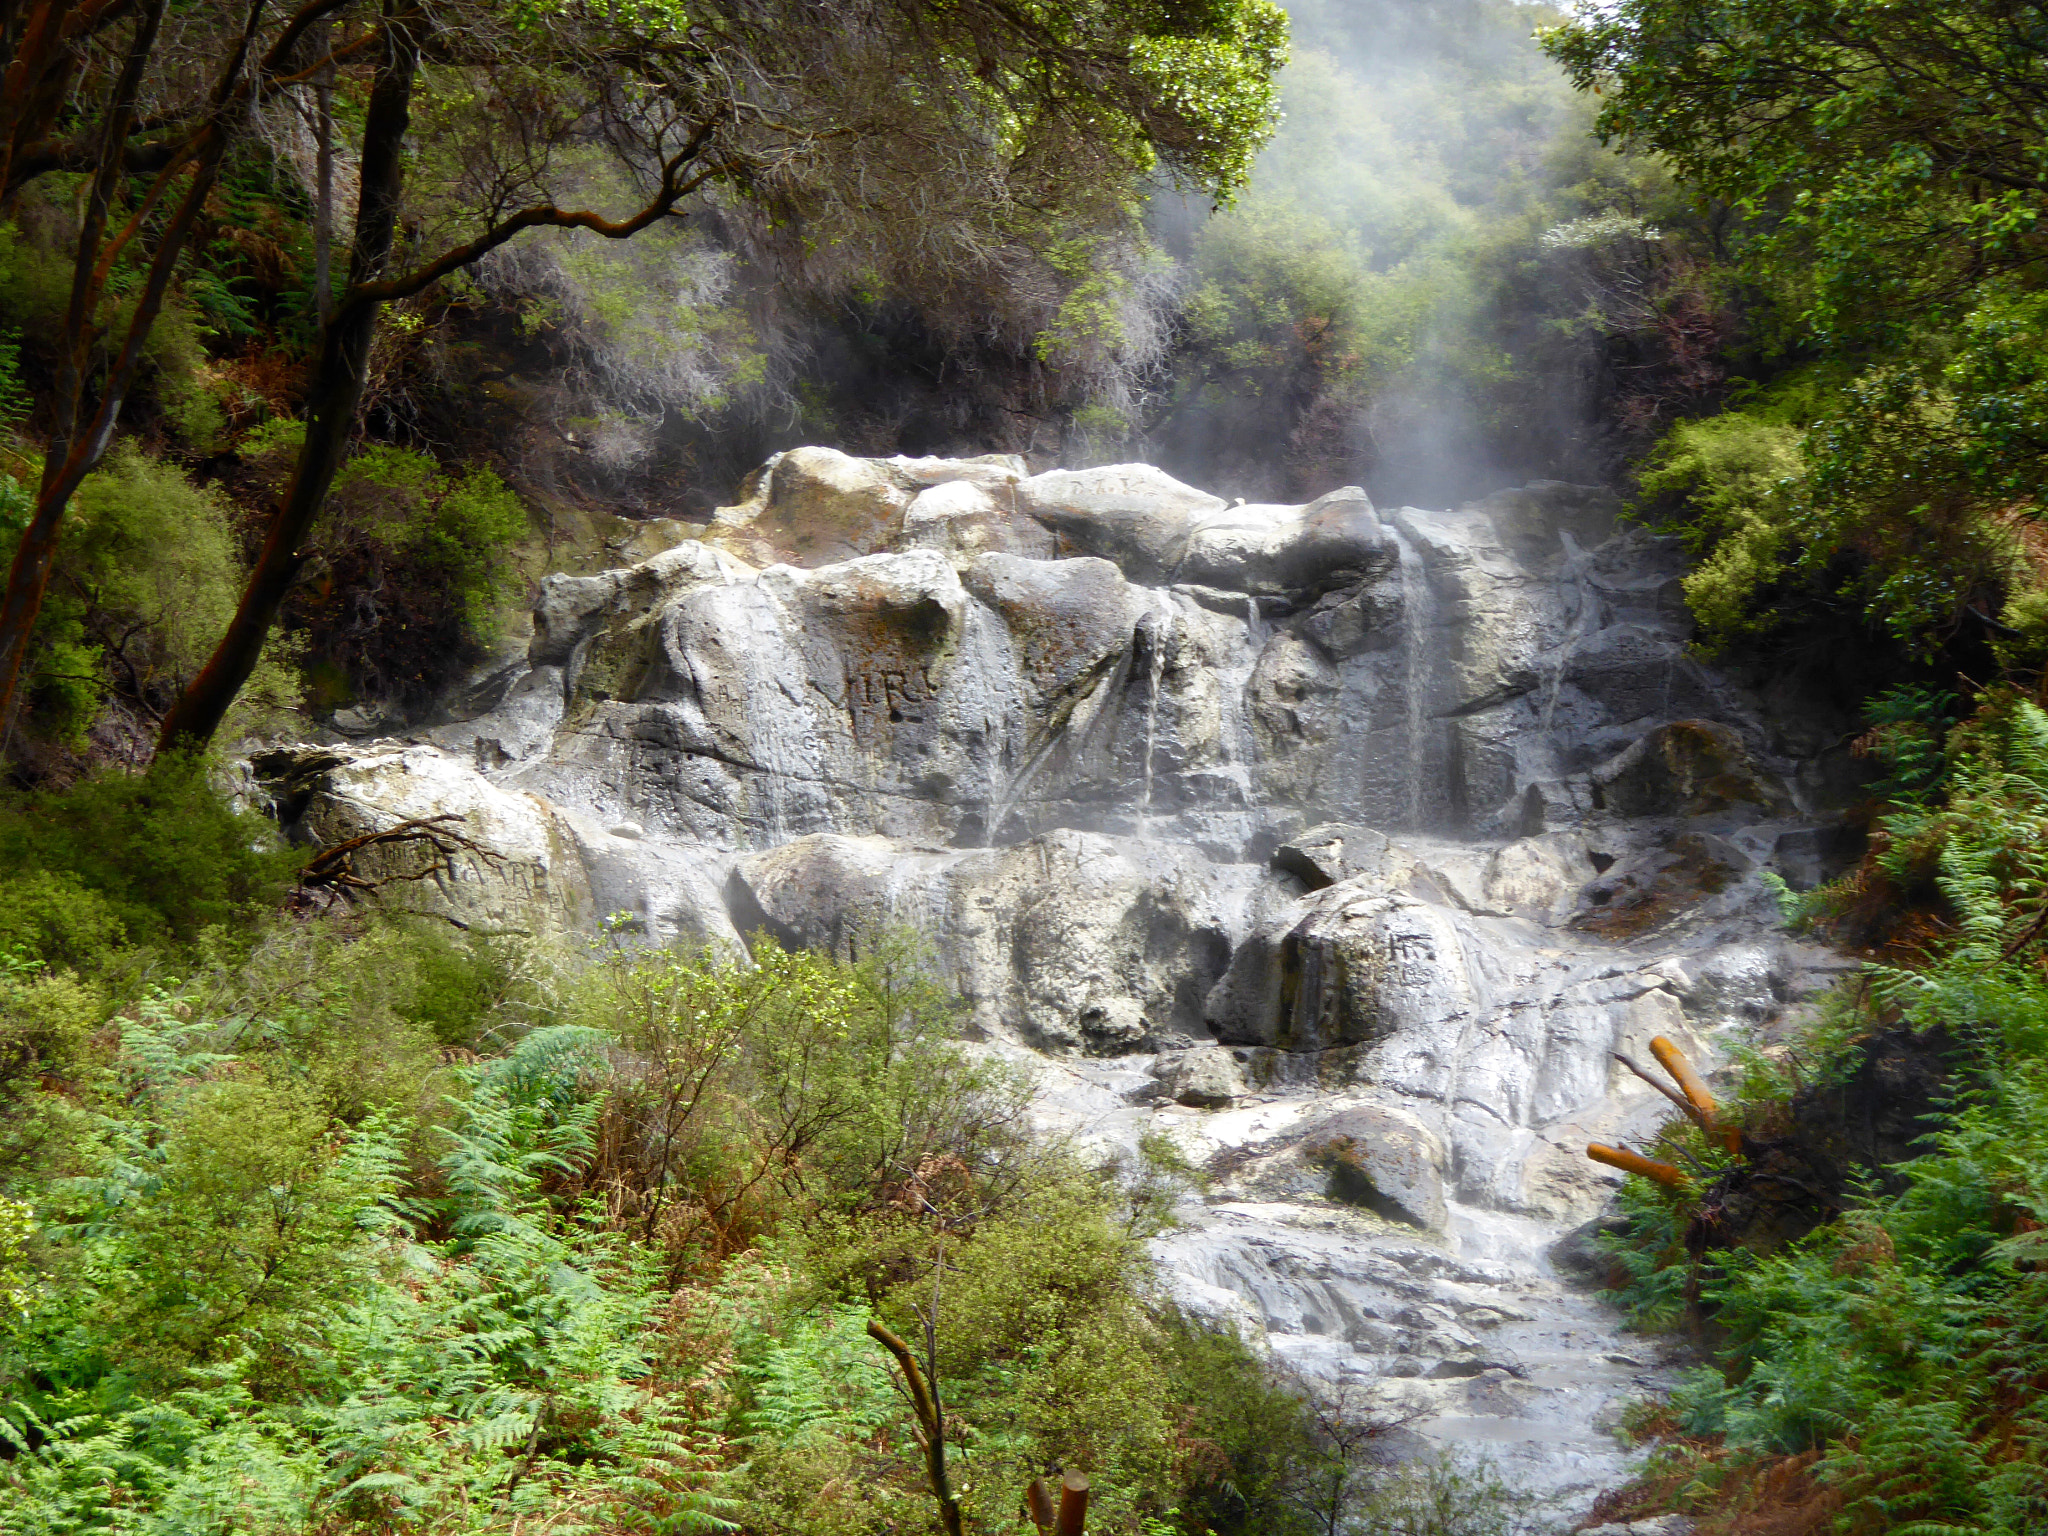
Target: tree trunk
[(66, 459), (337, 390), (323, 175)]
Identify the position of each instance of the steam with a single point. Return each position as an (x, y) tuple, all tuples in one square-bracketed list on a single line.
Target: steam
[(1434, 207)]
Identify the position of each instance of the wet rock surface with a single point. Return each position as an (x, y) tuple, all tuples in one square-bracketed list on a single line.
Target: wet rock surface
[(1344, 845)]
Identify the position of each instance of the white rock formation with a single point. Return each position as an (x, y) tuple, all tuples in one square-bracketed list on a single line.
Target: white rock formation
[(1347, 847)]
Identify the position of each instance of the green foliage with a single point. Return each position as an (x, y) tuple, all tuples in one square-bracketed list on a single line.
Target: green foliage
[(147, 576), (1909, 728), (1901, 1340), (320, 1362), (419, 561), (275, 1261), (1730, 481), (1424, 250), (1888, 187), (15, 400), (154, 860), (35, 286)]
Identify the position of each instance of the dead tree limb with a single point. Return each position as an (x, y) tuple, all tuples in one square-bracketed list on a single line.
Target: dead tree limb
[(1038, 1504), (1073, 1505), (1670, 1175), (1672, 1060), (931, 1424), (333, 868), (1685, 1106)]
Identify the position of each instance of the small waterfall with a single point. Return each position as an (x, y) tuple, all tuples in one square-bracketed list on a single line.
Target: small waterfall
[(1418, 611), (1159, 636), (1582, 616)]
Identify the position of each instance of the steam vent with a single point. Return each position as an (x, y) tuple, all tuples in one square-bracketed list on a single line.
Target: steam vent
[(1345, 845)]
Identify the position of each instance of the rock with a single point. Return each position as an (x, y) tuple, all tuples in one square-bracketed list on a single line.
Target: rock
[(1632, 672), (1203, 1078), (822, 506), (1347, 624), (1074, 941), (990, 471), (1335, 543), (1673, 879), (1579, 1256), (1137, 516), (1332, 853), (1534, 519), (1352, 966), (962, 519), (522, 726), (1383, 1160), (1538, 877), (539, 869), (1814, 856), (1233, 808), (1691, 768), (364, 720), (1285, 666)]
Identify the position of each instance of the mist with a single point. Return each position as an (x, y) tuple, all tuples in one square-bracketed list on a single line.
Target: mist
[(1381, 307)]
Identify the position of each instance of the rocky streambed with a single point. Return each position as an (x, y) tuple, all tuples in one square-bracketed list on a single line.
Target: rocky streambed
[(1344, 845)]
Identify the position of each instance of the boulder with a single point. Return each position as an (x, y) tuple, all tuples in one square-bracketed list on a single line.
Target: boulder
[(1133, 514), (1335, 852), (1676, 877), (1383, 1160), (533, 867), (1071, 942), (1814, 856), (1579, 1255), (1335, 543), (817, 506), (1203, 1078), (961, 520), (1346, 966)]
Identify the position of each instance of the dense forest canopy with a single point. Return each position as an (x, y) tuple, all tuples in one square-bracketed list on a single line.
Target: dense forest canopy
[(1885, 166)]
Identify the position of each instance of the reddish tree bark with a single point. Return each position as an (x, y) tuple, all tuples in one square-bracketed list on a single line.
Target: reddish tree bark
[(34, 89)]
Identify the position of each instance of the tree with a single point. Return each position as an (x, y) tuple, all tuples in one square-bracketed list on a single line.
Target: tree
[(102, 88), (1891, 163), (906, 135)]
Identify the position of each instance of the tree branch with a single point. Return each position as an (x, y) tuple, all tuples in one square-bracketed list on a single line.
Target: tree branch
[(547, 216)]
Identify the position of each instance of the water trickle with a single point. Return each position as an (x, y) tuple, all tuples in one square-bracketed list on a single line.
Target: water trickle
[(1582, 612), (1418, 615), (1158, 636)]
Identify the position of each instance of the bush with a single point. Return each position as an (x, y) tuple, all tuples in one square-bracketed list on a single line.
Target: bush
[(419, 560), (1902, 1341), (152, 860), (147, 577), (287, 1266), (1729, 483), (249, 1329)]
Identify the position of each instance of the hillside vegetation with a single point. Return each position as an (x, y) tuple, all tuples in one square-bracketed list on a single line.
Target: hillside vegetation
[(326, 330)]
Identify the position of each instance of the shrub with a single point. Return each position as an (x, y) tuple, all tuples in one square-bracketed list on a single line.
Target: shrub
[(152, 860), (1729, 482), (147, 578), (1901, 1342), (419, 560)]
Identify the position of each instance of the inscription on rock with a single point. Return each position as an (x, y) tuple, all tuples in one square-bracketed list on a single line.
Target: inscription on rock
[(889, 695)]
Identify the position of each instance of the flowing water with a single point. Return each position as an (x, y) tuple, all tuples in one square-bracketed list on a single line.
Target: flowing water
[(1344, 849)]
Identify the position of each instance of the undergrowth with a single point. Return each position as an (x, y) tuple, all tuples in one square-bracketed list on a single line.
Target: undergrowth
[(1885, 1373), (357, 1223)]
